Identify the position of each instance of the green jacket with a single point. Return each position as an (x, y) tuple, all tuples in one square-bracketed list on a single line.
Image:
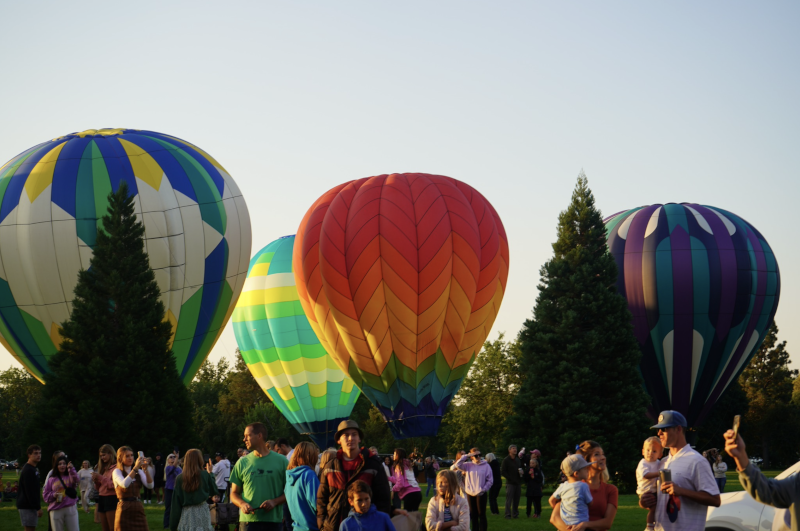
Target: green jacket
[(779, 493), (181, 498)]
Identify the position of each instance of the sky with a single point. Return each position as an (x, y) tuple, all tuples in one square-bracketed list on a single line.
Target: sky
[(656, 102)]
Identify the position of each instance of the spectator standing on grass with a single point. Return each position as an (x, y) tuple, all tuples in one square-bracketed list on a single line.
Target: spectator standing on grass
[(189, 510), (478, 479), (720, 469), (61, 496), (534, 481), (404, 481), (430, 476), (348, 466), (221, 469), (447, 510), (258, 481), (148, 493), (511, 470), (605, 497), (158, 477), (302, 485), (778, 493), (104, 483), (171, 473), (129, 479), (283, 447), (28, 502), (683, 502), (497, 483), (85, 476)]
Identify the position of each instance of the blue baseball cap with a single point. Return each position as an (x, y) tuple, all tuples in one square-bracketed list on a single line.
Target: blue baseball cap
[(668, 419)]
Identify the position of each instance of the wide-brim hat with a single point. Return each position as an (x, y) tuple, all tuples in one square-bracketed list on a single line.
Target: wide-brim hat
[(348, 425)]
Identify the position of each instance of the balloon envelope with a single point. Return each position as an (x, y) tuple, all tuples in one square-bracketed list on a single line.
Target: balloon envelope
[(402, 276), (703, 287), (52, 199), (283, 353)]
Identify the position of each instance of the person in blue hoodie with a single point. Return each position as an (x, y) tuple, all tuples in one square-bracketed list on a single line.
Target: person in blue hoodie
[(364, 516), (301, 488)]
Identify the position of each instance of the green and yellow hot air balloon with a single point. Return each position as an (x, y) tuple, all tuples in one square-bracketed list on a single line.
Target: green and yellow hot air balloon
[(283, 353)]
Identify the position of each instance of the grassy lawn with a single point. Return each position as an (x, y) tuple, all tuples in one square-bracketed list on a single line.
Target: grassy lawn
[(629, 516)]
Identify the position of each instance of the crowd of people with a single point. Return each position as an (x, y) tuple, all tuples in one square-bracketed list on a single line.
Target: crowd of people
[(277, 487)]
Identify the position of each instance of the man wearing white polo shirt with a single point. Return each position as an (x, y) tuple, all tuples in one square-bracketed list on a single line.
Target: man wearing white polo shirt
[(682, 503)]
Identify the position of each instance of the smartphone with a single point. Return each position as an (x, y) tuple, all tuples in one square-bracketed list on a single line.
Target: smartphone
[(141, 454), (206, 457), (666, 475), (736, 421)]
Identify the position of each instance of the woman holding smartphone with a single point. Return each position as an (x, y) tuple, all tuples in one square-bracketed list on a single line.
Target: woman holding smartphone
[(129, 478), (171, 472)]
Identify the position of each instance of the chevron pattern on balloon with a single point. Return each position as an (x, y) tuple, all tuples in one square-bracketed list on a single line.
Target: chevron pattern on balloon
[(403, 276)]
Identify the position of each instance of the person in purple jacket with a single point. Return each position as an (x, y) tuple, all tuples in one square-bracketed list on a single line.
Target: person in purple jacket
[(478, 479), (61, 495), (171, 472)]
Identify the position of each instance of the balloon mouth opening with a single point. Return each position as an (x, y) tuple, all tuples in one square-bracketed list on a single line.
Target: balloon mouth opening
[(91, 133)]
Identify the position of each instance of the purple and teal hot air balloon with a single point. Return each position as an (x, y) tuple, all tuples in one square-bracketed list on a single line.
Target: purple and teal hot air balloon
[(703, 287), (282, 351)]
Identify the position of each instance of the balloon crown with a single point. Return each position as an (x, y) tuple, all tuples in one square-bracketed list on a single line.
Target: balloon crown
[(96, 132)]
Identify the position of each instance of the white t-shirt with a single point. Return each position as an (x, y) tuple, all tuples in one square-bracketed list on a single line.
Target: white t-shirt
[(221, 471), (86, 478), (690, 470), (644, 484)]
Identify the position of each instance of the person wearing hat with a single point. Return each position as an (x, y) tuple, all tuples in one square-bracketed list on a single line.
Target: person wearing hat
[(351, 464), (257, 483), (220, 468), (681, 504), (574, 494)]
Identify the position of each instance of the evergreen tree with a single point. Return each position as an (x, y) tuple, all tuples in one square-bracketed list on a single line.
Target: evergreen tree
[(768, 383), (579, 357), (114, 379)]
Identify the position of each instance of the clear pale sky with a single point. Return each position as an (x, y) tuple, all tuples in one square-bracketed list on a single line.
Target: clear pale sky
[(657, 102)]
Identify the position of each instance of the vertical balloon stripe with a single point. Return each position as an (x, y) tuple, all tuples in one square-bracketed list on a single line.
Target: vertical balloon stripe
[(402, 276), (196, 250), (717, 290)]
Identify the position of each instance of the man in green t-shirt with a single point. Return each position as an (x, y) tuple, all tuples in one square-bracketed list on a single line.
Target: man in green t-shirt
[(257, 483)]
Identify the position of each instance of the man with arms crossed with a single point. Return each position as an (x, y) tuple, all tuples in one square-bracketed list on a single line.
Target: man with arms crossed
[(28, 503), (257, 483), (682, 503)]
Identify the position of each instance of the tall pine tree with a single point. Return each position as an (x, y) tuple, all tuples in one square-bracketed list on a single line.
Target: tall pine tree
[(114, 379), (579, 357)]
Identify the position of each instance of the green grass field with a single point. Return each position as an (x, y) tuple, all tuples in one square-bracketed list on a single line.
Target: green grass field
[(630, 517)]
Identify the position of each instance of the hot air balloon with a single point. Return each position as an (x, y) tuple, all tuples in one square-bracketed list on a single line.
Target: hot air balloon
[(401, 277), (283, 353), (703, 287), (52, 199)]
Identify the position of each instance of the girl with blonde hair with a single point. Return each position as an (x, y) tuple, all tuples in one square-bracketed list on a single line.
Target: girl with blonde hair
[(129, 479), (193, 487), (103, 479), (447, 510)]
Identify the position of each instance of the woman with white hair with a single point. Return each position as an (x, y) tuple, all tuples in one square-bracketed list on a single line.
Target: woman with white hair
[(497, 483)]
